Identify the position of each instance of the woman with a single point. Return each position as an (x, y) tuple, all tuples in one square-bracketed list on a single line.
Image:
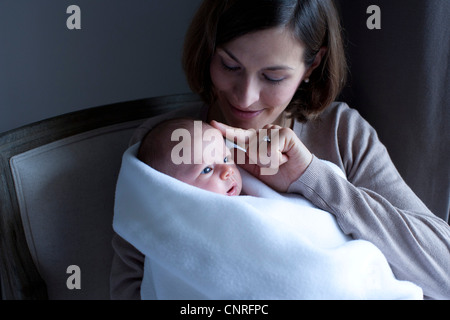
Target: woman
[(261, 62)]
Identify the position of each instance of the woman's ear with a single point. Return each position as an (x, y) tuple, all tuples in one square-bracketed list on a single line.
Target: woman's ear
[(316, 62)]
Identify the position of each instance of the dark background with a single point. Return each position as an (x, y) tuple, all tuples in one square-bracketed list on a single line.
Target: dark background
[(126, 50)]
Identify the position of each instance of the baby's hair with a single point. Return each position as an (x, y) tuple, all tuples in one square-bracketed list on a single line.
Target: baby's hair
[(156, 145)]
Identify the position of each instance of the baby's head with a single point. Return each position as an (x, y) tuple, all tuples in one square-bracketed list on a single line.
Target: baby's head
[(206, 161)]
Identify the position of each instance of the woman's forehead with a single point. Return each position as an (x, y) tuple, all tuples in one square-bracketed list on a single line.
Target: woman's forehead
[(271, 47)]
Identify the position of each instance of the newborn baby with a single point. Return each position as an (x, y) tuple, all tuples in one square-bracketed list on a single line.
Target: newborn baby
[(207, 160)]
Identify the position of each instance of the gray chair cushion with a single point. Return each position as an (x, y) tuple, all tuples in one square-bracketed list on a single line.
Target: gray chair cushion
[(66, 195)]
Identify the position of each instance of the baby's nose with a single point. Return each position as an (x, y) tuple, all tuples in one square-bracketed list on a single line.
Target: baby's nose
[(226, 172)]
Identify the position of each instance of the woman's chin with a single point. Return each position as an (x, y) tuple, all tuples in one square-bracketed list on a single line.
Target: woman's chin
[(254, 123)]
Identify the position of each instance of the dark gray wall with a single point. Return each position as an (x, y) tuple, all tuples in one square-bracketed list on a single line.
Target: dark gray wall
[(125, 50)]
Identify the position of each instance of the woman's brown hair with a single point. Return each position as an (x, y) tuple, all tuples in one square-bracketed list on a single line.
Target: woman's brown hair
[(315, 23)]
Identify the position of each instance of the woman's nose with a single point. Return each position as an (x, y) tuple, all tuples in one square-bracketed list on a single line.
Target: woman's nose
[(247, 93), (226, 172)]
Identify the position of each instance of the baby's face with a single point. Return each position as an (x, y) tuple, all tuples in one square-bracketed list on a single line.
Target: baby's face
[(217, 173)]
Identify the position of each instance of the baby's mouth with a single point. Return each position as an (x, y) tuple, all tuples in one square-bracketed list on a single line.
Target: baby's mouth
[(232, 191)]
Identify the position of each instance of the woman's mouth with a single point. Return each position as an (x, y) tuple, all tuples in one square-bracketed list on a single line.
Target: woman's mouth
[(245, 114)]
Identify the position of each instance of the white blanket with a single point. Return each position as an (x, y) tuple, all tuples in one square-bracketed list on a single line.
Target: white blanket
[(202, 245)]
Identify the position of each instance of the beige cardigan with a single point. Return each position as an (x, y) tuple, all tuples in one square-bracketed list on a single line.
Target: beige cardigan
[(374, 204)]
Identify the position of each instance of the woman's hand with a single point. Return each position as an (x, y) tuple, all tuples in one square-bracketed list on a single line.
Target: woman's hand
[(277, 162)]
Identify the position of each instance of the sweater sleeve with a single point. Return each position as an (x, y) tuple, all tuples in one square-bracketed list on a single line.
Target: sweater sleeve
[(127, 271), (376, 205)]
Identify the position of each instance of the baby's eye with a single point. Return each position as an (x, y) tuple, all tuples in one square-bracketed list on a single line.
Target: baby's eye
[(207, 170), (225, 160)]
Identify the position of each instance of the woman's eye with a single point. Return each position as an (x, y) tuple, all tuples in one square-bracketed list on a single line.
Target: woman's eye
[(229, 68), (207, 170), (272, 80)]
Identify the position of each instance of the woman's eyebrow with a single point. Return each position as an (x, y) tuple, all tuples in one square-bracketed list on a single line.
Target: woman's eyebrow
[(230, 55), (275, 68), (272, 68)]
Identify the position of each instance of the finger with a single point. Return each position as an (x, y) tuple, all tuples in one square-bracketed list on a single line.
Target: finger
[(236, 135), (281, 142), (230, 133), (267, 150), (283, 159), (272, 126), (229, 130), (222, 127)]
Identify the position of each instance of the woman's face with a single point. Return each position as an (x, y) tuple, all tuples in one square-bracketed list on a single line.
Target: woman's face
[(255, 77)]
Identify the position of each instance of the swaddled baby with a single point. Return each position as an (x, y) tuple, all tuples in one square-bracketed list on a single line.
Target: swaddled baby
[(206, 164)]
